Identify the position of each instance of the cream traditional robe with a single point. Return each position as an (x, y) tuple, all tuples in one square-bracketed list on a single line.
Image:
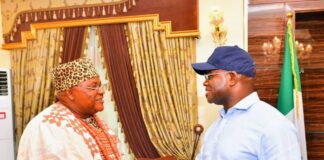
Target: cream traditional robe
[(56, 133)]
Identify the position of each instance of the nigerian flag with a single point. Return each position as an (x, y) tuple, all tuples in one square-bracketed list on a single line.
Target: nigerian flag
[(290, 101)]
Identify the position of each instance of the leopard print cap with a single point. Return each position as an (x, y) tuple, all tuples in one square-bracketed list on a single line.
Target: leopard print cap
[(72, 73)]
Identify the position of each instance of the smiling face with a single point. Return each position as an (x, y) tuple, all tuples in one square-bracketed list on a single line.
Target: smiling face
[(88, 97), (216, 87)]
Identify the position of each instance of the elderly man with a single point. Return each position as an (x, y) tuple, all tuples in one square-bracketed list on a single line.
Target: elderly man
[(248, 128), (69, 129)]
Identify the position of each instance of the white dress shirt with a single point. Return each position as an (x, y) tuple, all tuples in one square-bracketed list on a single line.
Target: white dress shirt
[(251, 130)]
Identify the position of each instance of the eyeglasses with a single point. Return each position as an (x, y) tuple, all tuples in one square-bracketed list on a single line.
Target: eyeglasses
[(104, 87), (209, 76)]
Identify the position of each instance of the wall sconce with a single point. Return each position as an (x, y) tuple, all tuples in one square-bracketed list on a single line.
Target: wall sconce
[(272, 48), (302, 51), (219, 31)]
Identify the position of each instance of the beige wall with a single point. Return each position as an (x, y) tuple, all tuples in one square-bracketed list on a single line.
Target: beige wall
[(4, 55), (4, 59), (235, 20)]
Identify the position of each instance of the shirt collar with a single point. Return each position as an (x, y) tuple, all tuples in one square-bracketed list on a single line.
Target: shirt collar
[(243, 104)]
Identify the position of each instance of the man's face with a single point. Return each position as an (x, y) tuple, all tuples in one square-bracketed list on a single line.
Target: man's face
[(88, 96), (216, 86)]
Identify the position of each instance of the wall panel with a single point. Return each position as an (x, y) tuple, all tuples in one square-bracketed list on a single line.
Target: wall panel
[(268, 19)]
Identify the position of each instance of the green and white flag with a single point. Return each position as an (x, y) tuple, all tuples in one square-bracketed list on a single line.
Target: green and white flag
[(290, 102)]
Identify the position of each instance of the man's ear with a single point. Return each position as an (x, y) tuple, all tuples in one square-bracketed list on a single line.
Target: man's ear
[(234, 78), (69, 94)]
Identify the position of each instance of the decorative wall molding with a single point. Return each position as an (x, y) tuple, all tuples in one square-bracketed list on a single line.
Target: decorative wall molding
[(165, 25)]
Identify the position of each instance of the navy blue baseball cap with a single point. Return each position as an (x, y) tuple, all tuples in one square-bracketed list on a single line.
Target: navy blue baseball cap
[(229, 58)]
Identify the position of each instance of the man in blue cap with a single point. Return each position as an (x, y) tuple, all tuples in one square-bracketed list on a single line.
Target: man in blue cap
[(248, 128)]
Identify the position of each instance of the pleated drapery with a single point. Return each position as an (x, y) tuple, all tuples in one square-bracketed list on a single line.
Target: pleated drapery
[(124, 90), (32, 89), (110, 115), (73, 43), (166, 85)]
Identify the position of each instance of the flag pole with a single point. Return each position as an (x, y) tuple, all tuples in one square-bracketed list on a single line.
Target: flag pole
[(292, 56), (297, 95)]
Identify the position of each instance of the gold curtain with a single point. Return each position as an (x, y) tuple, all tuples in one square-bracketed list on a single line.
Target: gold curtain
[(31, 80), (167, 87)]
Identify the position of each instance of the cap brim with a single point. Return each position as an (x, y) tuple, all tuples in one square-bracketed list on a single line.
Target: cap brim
[(203, 68)]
